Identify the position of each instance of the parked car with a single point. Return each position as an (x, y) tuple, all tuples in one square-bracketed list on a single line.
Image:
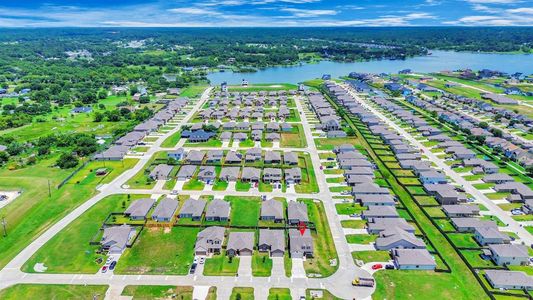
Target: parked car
[(377, 267), (112, 265), (109, 260), (360, 281), (389, 267), (202, 260), (193, 268), (104, 269)]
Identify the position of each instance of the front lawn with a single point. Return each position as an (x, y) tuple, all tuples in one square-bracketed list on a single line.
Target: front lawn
[(193, 185), (349, 208), (242, 186), (261, 264), (220, 185), (157, 251), (279, 294), (474, 259), (221, 265), (463, 240), (361, 238), (356, 224), (242, 293), (371, 256)]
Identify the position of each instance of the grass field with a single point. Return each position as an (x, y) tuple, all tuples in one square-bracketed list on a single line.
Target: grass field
[(34, 211), (53, 291), (76, 237), (158, 292), (294, 139), (361, 238), (349, 208), (356, 224), (172, 140), (193, 91), (157, 251)]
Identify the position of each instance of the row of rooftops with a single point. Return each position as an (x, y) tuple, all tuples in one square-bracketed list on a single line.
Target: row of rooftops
[(244, 126), (512, 147), (122, 145), (243, 113), (329, 120), (250, 155)]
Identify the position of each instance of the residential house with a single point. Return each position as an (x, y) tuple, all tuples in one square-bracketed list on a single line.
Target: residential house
[(250, 174), (218, 210), (489, 235), (209, 240), (272, 241), (138, 209), (207, 174), (192, 209), (240, 244), (509, 280), (293, 176), (165, 209), (509, 254), (272, 175), (413, 259), (297, 213), (300, 245), (117, 238), (398, 239), (161, 172), (272, 210), (229, 173), (186, 172)]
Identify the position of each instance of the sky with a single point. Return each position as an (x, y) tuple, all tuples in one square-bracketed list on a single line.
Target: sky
[(264, 13)]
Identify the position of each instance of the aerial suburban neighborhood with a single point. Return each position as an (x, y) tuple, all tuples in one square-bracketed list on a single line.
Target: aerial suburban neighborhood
[(269, 150)]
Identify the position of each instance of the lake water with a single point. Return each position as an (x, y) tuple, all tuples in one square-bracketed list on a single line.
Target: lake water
[(438, 61)]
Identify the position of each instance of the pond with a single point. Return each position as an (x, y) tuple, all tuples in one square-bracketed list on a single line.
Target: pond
[(438, 61)]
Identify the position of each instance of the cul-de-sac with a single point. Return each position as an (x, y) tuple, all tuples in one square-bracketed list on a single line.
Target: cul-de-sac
[(265, 163)]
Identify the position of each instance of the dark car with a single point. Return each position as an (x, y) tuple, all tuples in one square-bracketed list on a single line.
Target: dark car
[(193, 268), (389, 267), (112, 265)]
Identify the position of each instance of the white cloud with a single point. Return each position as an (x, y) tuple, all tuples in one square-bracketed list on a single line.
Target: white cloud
[(193, 11), (521, 10), (307, 13), (494, 1)]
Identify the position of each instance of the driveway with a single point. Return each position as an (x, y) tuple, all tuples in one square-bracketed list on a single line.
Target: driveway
[(278, 267), (298, 270), (245, 266)]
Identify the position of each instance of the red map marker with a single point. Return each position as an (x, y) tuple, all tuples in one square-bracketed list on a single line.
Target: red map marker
[(302, 227)]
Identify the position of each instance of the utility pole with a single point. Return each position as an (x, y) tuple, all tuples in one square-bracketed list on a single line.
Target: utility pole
[(4, 225)]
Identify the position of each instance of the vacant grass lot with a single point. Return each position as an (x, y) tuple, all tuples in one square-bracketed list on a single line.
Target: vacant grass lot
[(53, 291), (221, 265), (349, 208), (244, 210), (172, 140), (159, 251), (158, 292), (356, 224), (293, 139), (80, 258), (464, 240), (371, 256)]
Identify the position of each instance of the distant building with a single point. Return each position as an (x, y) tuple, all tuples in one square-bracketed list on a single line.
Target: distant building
[(224, 87)]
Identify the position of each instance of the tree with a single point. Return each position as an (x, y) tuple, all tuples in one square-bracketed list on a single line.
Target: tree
[(98, 116), (4, 157), (529, 170), (483, 125), (67, 161)]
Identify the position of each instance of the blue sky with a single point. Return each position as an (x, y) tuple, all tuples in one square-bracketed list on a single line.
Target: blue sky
[(224, 13)]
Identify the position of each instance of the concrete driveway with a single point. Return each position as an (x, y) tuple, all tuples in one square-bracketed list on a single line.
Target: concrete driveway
[(298, 270), (245, 266), (278, 267)]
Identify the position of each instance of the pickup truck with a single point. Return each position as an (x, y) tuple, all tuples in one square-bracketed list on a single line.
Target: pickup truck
[(360, 281)]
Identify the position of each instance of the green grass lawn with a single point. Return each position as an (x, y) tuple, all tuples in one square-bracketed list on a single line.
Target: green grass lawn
[(157, 252), (340, 189), (279, 294), (417, 284), (81, 257), (53, 291), (158, 292), (193, 185), (261, 264), (371, 256), (34, 211), (474, 259), (193, 91), (242, 186), (242, 293), (293, 139), (361, 238), (349, 208), (265, 187), (426, 200), (435, 212), (244, 210), (465, 240), (221, 265), (172, 140), (220, 185), (308, 183), (324, 246), (209, 144), (356, 224)]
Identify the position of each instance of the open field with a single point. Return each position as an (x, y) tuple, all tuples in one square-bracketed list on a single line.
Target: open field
[(54, 291)]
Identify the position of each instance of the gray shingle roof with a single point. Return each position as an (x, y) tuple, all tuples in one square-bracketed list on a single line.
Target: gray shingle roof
[(165, 209)]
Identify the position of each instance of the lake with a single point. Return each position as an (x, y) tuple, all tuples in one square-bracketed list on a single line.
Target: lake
[(438, 61)]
